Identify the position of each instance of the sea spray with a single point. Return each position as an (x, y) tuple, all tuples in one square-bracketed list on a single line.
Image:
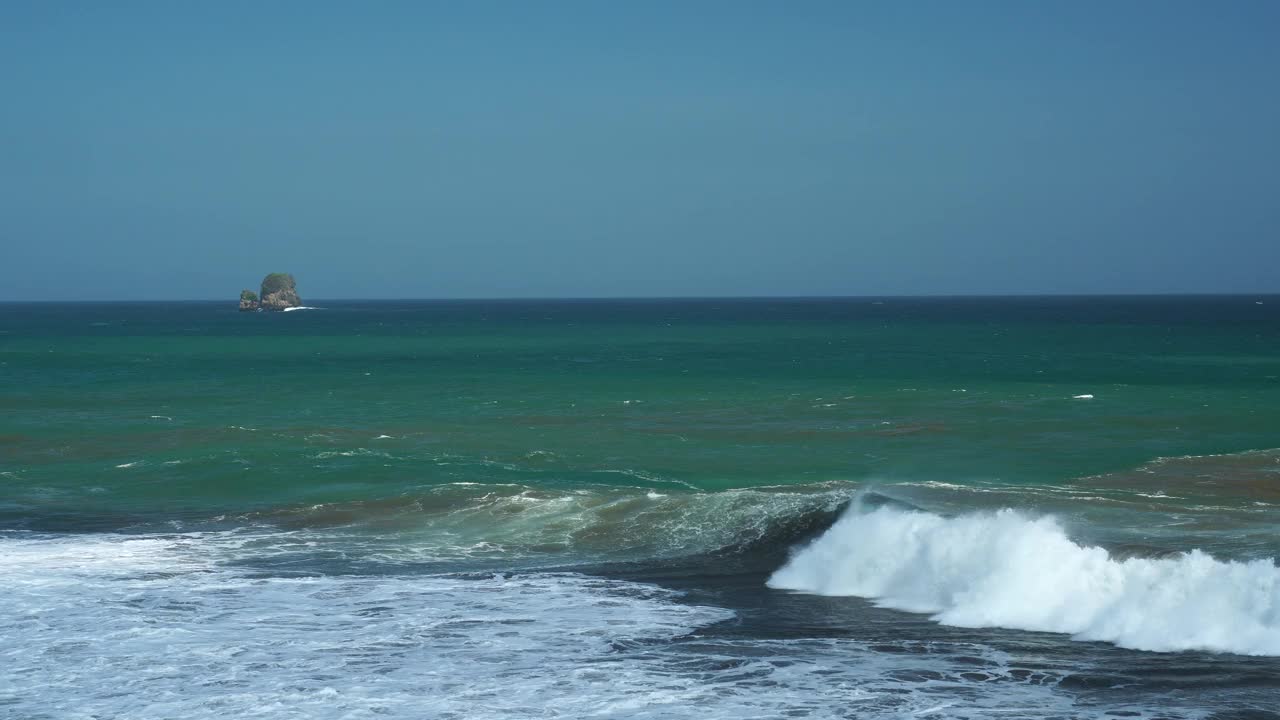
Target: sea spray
[(1006, 569)]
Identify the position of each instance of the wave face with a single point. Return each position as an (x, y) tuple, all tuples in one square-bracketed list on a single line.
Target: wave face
[(523, 526), (1005, 569)]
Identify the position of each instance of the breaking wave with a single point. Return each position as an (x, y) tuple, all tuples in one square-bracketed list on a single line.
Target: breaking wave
[(1006, 569)]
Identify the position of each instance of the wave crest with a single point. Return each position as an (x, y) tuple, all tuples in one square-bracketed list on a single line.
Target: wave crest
[(1005, 569)]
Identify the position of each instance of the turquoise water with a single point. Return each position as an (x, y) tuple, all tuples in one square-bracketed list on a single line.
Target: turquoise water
[(654, 465)]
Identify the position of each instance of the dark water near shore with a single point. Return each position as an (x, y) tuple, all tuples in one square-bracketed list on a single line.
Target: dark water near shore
[(952, 507)]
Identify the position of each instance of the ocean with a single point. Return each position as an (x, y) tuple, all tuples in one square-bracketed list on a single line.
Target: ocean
[(715, 508)]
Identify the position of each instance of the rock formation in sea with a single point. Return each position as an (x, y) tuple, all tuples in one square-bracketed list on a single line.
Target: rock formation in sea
[(248, 301), (279, 292)]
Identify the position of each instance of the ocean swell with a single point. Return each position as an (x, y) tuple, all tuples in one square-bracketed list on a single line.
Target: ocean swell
[(518, 523), (1006, 569)]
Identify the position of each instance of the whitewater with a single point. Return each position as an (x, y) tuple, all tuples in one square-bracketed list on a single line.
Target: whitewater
[(196, 626), (1005, 569)]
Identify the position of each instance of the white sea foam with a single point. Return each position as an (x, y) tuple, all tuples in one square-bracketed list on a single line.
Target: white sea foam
[(182, 635), (301, 307), (357, 452), (646, 477), (181, 626), (1005, 569)]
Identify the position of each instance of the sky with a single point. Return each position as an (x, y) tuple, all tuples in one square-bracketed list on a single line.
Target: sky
[(182, 150)]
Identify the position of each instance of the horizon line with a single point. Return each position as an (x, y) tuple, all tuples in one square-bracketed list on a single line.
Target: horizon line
[(623, 298)]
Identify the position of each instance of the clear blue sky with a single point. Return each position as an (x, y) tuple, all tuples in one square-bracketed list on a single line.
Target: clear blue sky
[(518, 149)]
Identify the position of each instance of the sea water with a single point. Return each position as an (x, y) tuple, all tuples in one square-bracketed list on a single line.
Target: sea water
[(823, 508)]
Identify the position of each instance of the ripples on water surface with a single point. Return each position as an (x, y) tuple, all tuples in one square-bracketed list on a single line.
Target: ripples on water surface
[(721, 509)]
